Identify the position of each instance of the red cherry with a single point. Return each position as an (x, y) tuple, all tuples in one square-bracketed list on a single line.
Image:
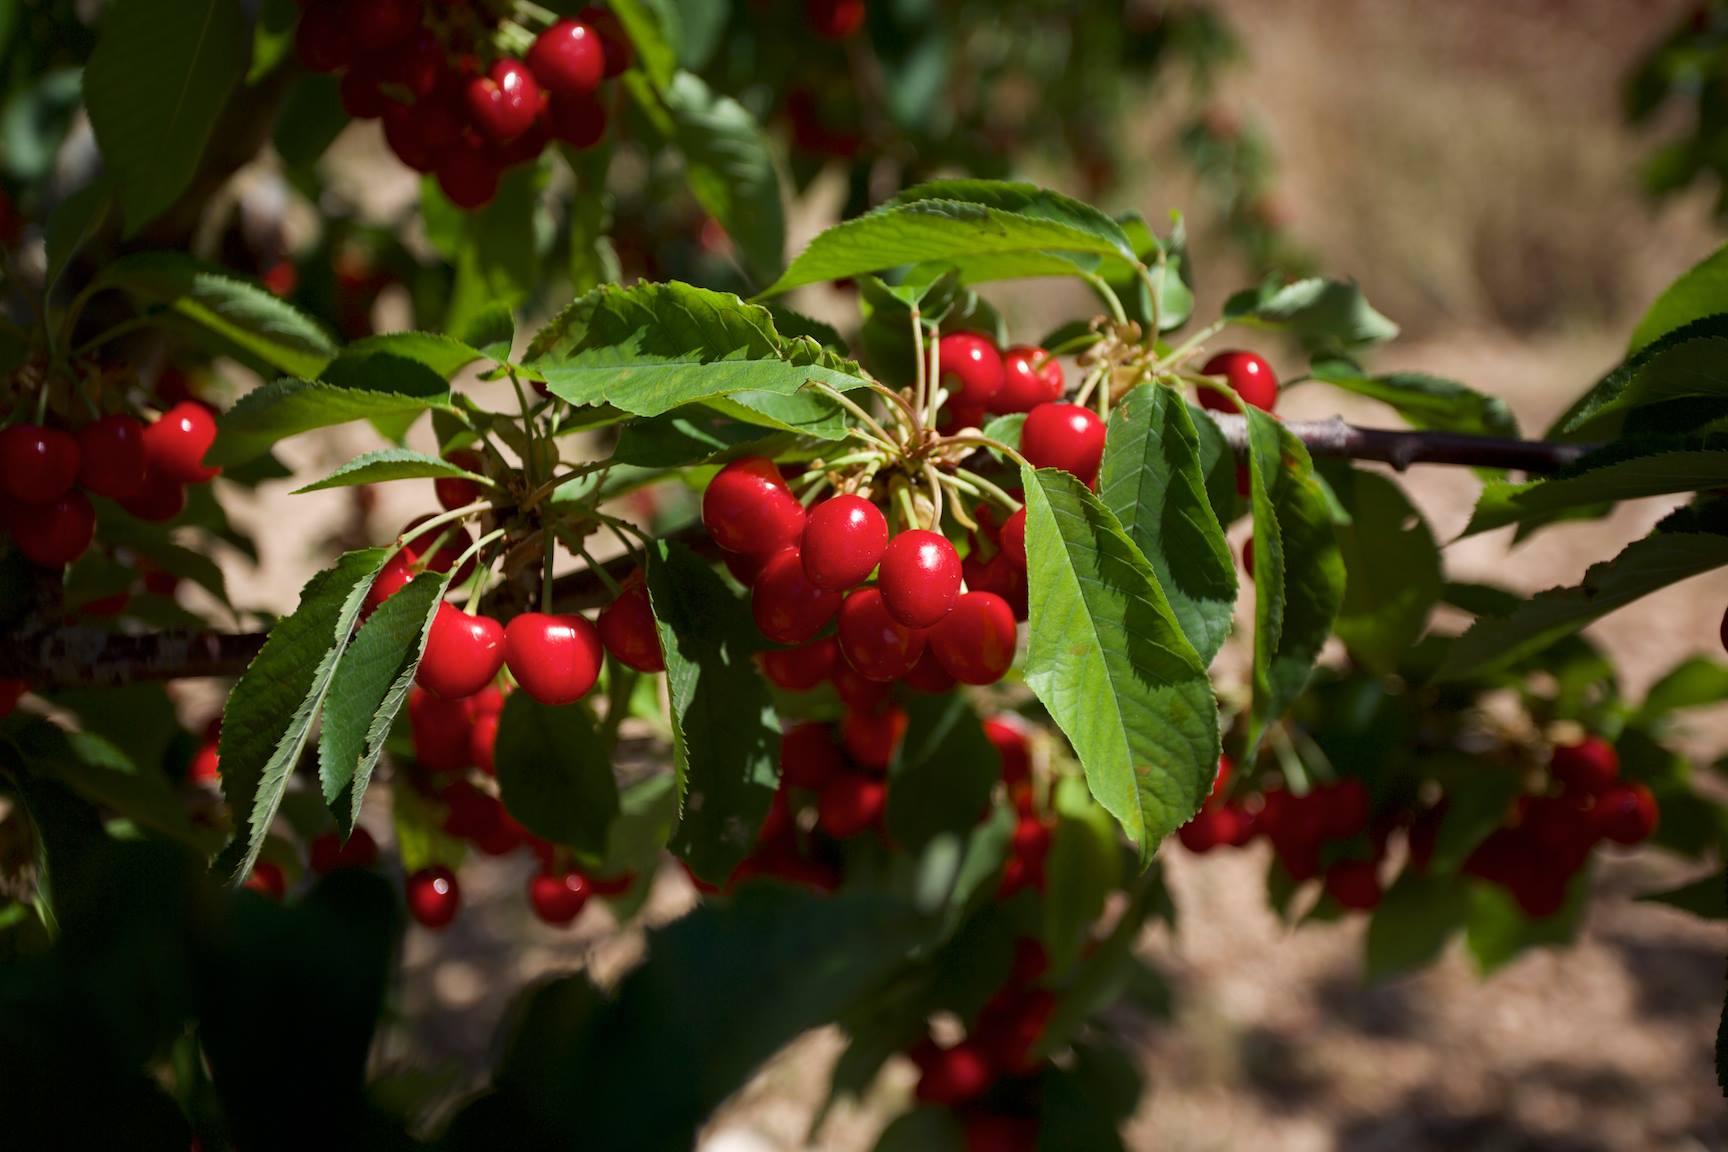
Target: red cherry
[(362, 98), (1626, 813), (1011, 745), (433, 896), (463, 653), (1064, 436), (955, 1075), (482, 738), (835, 19), (468, 176), (37, 465), (378, 25), (558, 897), (871, 738), (788, 608), (992, 1132), (322, 39), (1345, 809), (1031, 962), (330, 853), (843, 542), (1590, 765), (159, 499), (455, 492), (579, 121), (809, 756), (856, 691), (748, 508), (928, 675), (176, 443), (397, 573), (1249, 374), (970, 368), (53, 535), (802, 668), (440, 731), (417, 65), (568, 59), (1354, 884), (555, 659), (957, 414), (975, 642), (1011, 1025), (1013, 538), (920, 577), (1722, 631), (267, 880), (502, 104), (997, 575), (425, 134), (850, 804), (1023, 389), (11, 691), (1032, 840), (111, 458), (611, 885), (875, 644), (206, 765), (620, 54), (626, 627)]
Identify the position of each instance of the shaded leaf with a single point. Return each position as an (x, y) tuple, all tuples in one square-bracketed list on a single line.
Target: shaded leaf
[(1624, 470), (1424, 401), (730, 167), (289, 407), (391, 464), (554, 775), (1392, 568), (943, 772), (1702, 291)]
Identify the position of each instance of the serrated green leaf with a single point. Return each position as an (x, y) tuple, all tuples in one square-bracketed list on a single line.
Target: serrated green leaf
[(289, 407), (1415, 919), (156, 541), (942, 775), (647, 810), (159, 77), (730, 168), (1392, 567), (1110, 662), (1706, 898), (1151, 479), (1685, 364), (725, 736), (1702, 291), (270, 713), (391, 464), (1423, 401), (1629, 469), (1322, 314), (1031, 202), (491, 332), (444, 355), (554, 775), (684, 436)]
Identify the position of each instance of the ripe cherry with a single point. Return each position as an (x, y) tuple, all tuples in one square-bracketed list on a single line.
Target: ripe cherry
[(928, 675), (875, 644), (1220, 779), (11, 691), (463, 653), (620, 54), (748, 508), (1013, 538), (1354, 884), (111, 458), (975, 642), (1011, 745), (809, 756), (970, 368), (416, 64), (994, 1132), (468, 175), (801, 668), (176, 443), (558, 897), (850, 804), (379, 25), (37, 465), (955, 1075), (159, 499), (503, 104), (206, 765), (855, 690), (555, 659), (872, 738), (397, 573), (568, 59), (331, 853), (1249, 374), (843, 542), (440, 731), (1590, 765), (1064, 436), (267, 880), (920, 577), (361, 96), (54, 534), (1024, 387), (835, 19), (1011, 1025), (579, 121), (787, 607), (997, 575), (322, 39), (1345, 809), (627, 628), (482, 739), (433, 896), (422, 134), (458, 491), (1626, 813)]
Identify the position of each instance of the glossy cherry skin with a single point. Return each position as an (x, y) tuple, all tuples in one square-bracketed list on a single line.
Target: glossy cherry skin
[(928, 675), (788, 608), (558, 897), (502, 104), (626, 627), (975, 642), (433, 896), (850, 805), (482, 739), (1013, 538), (997, 575), (955, 1075), (55, 534), (37, 465), (810, 756), (1626, 813), (463, 653), (330, 853), (801, 668), (970, 367), (1023, 389), (844, 539), (568, 59), (920, 577), (877, 646), (440, 731), (111, 458), (555, 659), (458, 491), (579, 121), (1249, 374), (176, 443), (857, 691), (397, 573), (1590, 765), (872, 738), (1064, 436), (748, 508)]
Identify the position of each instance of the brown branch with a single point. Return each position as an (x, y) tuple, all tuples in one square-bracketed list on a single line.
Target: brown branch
[(1336, 439)]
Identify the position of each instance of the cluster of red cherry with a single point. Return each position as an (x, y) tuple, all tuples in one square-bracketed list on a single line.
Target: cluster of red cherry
[(452, 103), (46, 471)]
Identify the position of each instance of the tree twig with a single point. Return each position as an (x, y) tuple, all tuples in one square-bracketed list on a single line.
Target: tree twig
[(1401, 449)]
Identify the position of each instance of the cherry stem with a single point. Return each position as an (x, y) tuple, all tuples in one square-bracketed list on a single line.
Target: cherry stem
[(983, 441), (941, 396), (934, 479), (482, 572), (439, 521), (535, 13), (986, 488), (877, 433), (920, 377)]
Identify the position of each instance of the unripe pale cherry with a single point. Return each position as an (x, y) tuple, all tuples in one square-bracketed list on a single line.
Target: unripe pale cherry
[(433, 896), (627, 629), (568, 59), (787, 607), (920, 577), (1250, 375), (975, 642), (111, 460), (1025, 386), (1065, 436), (463, 653), (38, 465), (57, 533), (176, 443), (877, 646), (556, 659), (504, 103), (844, 538), (748, 508), (558, 897), (970, 368)]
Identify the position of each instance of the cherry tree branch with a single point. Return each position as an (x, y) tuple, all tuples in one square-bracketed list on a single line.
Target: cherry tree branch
[(1401, 449)]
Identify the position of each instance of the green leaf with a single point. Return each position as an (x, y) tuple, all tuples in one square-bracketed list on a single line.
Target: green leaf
[(371, 682), (1479, 795), (1392, 567), (928, 1128), (1498, 930), (651, 348), (491, 332), (653, 27), (1105, 972), (311, 118), (161, 73), (1702, 291), (1322, 314), (1624, 470), (391, 464), (684, 436), (273, 38), (647, 810), (494, 249), (554, 775), (730, 167), (1085, 866), (1110, 662), (270, 713), (243, 318), (1696, 682), (725, 736), (1413, 922), (1299, 573), (444, 355), (1031, 202), (1685, 364), (1424, 401), (1706, 897), (105, 775), (1175, 294), (1151, 479), (942, 775), (74, 220), (289, 407)]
